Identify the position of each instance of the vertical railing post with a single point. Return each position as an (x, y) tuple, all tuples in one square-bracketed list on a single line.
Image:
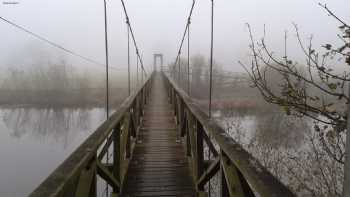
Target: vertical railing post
[(137, 115), (145, 89), (178, 110), (183, 120), (149, 85), (180, 117), (133, 119), (189, 129), (178, 107), (233, 182), (174, 106), (144, 92), (170, 93), (139, 96), (224, 189), (116, 154), (127, 129), (93, 187), (142, 102), (138, 111), (200, 155)]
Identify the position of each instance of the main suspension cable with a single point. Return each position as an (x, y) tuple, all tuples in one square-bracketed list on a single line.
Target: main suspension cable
[(188, 58), (211, 76), (52, 43), (133, 36), (128, 61), (137, 70), (106, 59), (211, 56), (107, 79), (177, 60)]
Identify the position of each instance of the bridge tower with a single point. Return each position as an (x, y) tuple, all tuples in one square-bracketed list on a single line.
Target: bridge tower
[(155, 56)]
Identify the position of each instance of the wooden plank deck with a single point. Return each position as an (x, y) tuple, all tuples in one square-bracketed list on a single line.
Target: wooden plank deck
[(159, 166)]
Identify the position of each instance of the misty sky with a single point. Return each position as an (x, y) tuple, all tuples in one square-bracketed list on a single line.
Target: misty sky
[(158, 25)]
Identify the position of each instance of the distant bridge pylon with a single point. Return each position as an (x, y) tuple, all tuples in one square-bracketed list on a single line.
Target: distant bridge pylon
[(155, 56)]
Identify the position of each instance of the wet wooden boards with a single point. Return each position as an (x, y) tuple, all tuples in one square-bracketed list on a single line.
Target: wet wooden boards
[(159, 165)]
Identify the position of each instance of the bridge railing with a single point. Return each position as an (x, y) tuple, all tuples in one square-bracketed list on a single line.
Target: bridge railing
[(76, 176), (242, 175)]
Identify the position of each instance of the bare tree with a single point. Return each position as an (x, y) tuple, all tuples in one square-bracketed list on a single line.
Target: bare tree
[(314, 89)]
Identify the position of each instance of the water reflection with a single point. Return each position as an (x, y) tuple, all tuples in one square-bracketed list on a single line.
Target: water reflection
[(56, 124), (268, 128), (33, 142), (279, 130)]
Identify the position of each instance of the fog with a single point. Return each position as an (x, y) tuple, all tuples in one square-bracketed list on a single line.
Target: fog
[(158, 26), (47, 94)]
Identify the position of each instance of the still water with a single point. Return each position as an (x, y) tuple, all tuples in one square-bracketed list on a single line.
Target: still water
[(33, 142)]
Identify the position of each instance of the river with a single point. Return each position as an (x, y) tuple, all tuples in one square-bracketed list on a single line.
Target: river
[(33, 142)]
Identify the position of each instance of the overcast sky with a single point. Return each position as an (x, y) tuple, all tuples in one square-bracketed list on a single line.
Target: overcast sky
[(158, 25)]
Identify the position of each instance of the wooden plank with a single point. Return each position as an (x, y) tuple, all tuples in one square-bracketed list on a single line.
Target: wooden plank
[(139, 188), (164, 193), (159, 166), (162, 183)]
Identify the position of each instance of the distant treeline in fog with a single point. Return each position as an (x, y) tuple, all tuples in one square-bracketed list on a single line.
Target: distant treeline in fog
[(56, 85), (231, 90)]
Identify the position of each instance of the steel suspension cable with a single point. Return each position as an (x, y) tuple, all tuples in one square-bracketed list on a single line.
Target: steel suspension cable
[(211, 76), (211, 56), (143, 72), (137, 70), (179, 67), (184, 34), (211, 71), (188, 57), (52, 43), (128, 61), (133, 36), (107, 79), (106, 58)]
